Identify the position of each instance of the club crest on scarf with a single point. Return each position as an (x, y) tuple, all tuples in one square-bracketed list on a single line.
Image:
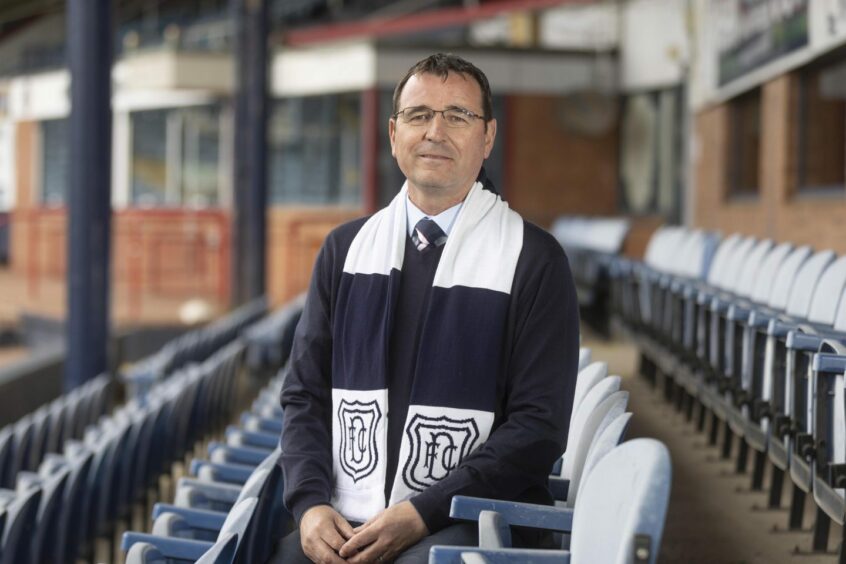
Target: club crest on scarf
[(358, 453), (438, 444)]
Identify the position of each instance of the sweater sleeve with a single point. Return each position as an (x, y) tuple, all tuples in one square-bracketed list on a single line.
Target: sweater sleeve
[(306, 399), (542, 363)]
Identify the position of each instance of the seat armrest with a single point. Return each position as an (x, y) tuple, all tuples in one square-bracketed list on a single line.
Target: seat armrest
[(474, 555), (829, 363), (779, 329), (172, 548), (194, 518), (799, 341), (514, 513), (559, 487), (738, 312), (759, 320), (229, 473)]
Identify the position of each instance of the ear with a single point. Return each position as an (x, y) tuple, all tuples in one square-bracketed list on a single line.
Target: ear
[(490, 136), (392, 131)]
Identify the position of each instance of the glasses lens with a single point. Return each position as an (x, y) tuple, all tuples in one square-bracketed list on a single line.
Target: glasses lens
[(417, 116), (456, 118)]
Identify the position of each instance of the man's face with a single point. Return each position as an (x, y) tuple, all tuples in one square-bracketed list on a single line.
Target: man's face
[(439, 160)]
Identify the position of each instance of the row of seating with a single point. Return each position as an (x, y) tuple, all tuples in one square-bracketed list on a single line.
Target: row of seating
[(231, 509), (591, 244), (24, 443), (110, 467), (269, 340), (611, 496), (752, 332), (192, 346), (235, 496), (79, 496)]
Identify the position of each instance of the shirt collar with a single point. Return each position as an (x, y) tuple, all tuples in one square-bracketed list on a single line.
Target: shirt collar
[(445, 219)]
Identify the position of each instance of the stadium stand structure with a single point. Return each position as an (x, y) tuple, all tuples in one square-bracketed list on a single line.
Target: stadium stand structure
[(748, 337), (96, 472)]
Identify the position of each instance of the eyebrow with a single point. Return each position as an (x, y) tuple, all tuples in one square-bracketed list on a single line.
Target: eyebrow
[(448, 107)]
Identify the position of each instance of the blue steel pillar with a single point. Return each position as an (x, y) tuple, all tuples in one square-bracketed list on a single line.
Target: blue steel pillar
[(89, 42), (249, 239)]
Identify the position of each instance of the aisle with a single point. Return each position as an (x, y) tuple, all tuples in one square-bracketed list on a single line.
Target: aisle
[(713, 516)]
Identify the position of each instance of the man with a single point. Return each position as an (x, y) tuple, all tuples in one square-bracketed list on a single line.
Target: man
[(438, 349)]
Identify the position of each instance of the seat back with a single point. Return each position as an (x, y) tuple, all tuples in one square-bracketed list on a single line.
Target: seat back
[(585, 381), (751, 267), (721, 256), (606, 440), (24, 431), (827, 293), (20, 524), (268, 512), (238, 521), (222, 552), (806, 281), (6, 454), (592, 399), (839, 430), (730, 278), (624, 497), (608, 409), (660, 246), (694, 254), (43, 543), (584, 357), (785, 277), (765, 280), (71, 520)]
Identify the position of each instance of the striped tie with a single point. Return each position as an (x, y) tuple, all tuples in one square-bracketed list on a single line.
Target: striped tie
[(427, 234)]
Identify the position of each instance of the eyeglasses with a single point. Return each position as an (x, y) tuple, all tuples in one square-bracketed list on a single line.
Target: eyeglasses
[(422, 115)]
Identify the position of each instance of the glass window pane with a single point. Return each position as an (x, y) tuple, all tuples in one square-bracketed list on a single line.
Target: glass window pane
[(200, 156), (744, 143), (822, 137), (149, 158), (54, 161), (176, 157), (315, 150)]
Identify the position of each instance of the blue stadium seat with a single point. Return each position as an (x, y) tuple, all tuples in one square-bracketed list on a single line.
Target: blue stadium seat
[(7, 446), (21, 508), (48, 517), (237, 521), (619, 513)]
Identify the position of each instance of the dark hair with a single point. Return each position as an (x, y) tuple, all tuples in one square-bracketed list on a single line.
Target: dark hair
[(441, 64)]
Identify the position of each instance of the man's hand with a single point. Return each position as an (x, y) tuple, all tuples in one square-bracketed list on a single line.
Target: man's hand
[(322, 533), (386, 535)]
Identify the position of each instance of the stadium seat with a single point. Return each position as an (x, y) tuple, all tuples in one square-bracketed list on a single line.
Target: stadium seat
[(619, 513), (237, 523)]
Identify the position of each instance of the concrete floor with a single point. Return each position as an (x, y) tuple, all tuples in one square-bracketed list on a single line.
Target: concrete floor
[(713, 516)]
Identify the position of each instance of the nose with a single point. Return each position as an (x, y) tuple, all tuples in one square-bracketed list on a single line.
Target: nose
[(436, 128)]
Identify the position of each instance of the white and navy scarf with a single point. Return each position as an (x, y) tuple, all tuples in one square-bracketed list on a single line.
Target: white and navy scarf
[(453, 391)]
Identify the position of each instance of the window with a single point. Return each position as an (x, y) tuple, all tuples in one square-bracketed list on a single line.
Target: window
[(744, 144), (821, 162), (54, 161), (315, 150), (176, 157)]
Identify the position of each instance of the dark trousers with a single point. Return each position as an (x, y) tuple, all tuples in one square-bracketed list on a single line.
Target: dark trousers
[(290, 551)]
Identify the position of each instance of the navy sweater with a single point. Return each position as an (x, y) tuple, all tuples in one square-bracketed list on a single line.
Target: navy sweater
[(534, 387)]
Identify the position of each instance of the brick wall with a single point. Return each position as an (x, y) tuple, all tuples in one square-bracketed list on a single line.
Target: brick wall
[(551, 171), (295, 235), (777, 212)]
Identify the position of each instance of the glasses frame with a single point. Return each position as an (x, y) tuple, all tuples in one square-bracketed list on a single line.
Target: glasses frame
[(468, 113)]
